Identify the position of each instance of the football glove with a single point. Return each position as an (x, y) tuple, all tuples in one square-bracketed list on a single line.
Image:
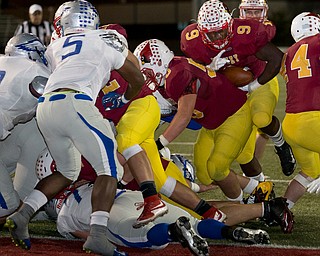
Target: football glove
[(314, 186), (218, 62), (113, 100), (250, 87)]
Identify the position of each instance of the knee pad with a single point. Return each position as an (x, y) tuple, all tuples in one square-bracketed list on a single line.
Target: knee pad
[(168, 187), (245, 157), (131, 151), (303, 180), (217, 173), (261, 119)]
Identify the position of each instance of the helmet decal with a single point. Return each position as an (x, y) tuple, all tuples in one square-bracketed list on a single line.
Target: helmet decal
[(27, 45), (154, 58)]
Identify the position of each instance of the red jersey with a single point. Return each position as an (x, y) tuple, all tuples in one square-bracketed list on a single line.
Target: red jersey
[(270, 28), (253, 60), (249, 36), (217, 98), (119, 85), (301, 71)]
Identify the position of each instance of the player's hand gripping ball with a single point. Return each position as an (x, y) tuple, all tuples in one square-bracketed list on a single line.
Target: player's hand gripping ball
[(238, 76)]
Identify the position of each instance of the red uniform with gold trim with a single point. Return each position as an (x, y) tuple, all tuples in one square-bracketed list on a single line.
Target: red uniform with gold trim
[(249, 36), (220, 108), (302, 73), (118, 84), (301, 124), (217, 98)]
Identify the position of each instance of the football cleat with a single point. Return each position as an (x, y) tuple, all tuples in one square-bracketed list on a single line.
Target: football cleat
[(18, 227), (287, 160), (97, 242), (263, 192), (182, 232), (277, 210), (154, 207), (250, 236)]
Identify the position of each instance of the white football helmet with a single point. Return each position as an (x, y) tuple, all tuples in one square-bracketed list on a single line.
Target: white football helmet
[(213, 16), (27, 45), (57, 18), (304, 25), (254, 5), (154, 58), (45, 165), (184, 165), (79, 16)]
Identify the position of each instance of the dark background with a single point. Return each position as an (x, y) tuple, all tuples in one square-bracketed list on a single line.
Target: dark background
[(170, 32)]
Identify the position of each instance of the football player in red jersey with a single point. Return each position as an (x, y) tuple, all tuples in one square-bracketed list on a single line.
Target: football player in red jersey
[(301, 124), (221, 109), (258, 10), (136, 123), (217, 39), (143, 109)]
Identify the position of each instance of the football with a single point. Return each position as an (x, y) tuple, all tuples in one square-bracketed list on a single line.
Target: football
[(238, 76)]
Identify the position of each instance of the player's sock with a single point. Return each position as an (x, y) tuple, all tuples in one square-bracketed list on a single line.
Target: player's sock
[(202, 207), (148, 188), (159, 234), (277, 138), (210, 228)]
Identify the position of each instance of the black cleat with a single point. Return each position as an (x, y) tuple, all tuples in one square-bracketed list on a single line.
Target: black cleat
[(287, 160), (182, 232), (250, 236), (277, 210)]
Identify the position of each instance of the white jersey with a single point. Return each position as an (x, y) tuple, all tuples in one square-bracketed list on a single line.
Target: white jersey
[(83, 62), (75, 216), (17, 104)]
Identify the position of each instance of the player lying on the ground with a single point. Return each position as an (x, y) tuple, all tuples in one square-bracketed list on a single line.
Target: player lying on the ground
[(236, 213), (72, 213), (274, 210)]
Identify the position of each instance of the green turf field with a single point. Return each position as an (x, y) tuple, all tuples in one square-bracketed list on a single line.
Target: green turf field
[(306, 228)]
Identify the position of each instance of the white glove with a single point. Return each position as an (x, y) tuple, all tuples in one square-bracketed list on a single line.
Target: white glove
[(314, 186), (250, 87), (218, 62), (165, 152)]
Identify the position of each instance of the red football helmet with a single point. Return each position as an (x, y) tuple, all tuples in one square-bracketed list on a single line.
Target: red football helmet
[(214, 19)]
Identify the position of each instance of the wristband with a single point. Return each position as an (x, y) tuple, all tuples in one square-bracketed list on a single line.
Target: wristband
[(163, 141)]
